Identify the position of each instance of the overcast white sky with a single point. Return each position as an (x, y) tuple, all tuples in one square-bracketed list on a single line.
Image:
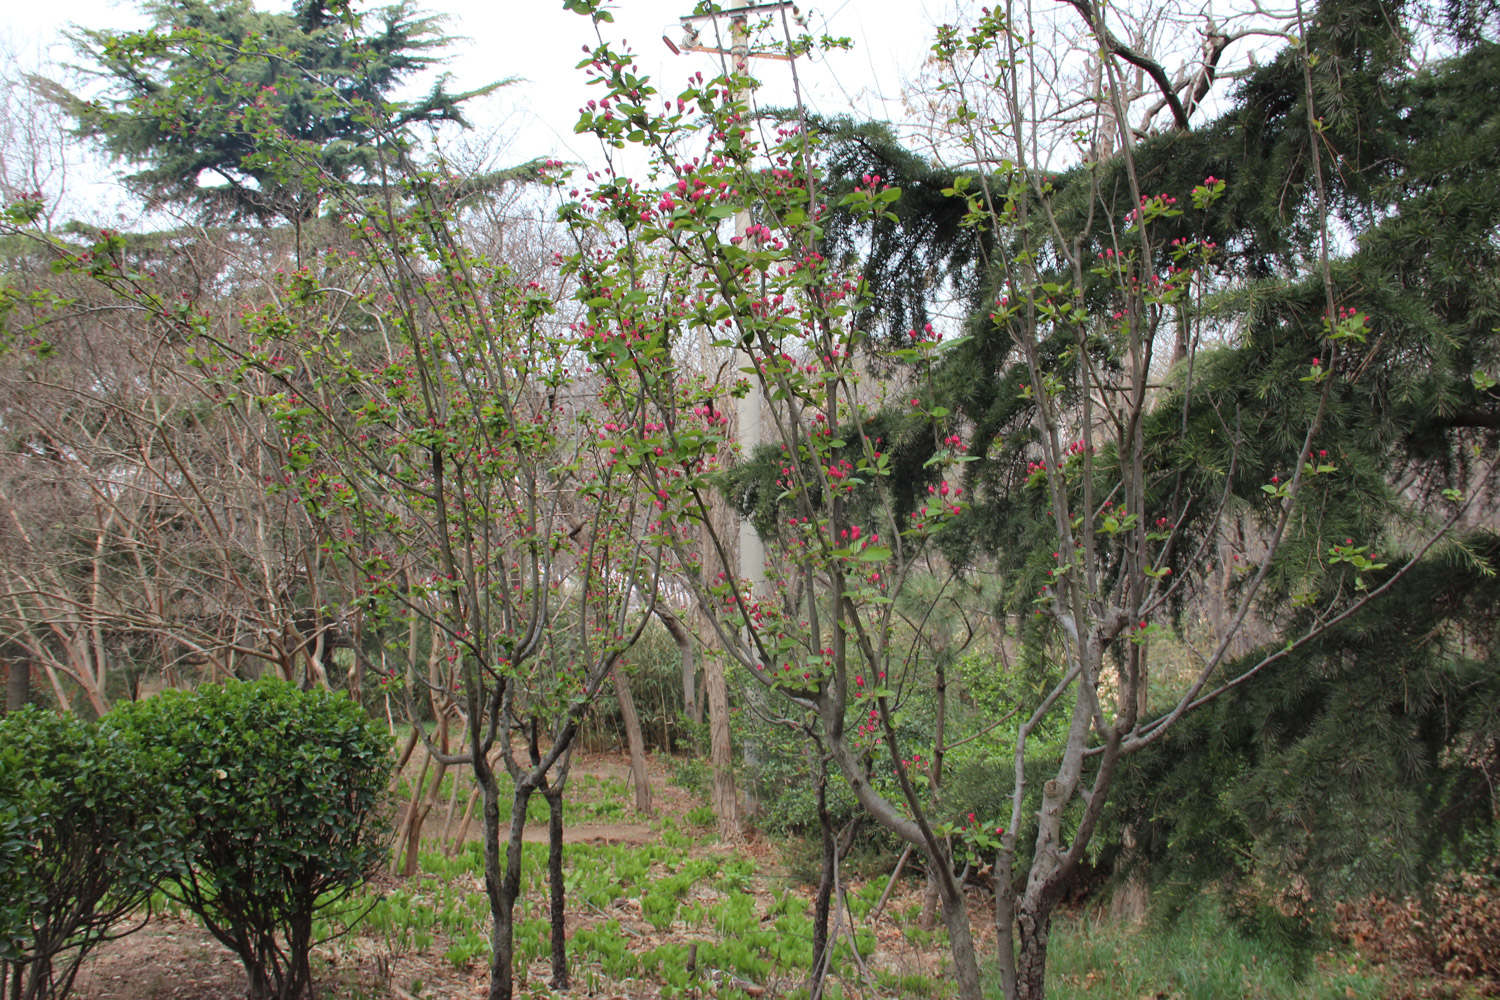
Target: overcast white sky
[(541, 44)]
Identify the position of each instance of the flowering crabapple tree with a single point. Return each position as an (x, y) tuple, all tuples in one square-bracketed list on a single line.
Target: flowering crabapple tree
[(1101, 311), (424, 404), (822, 635), (432, 408)]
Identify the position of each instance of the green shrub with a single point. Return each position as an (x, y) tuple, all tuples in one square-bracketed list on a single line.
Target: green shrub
[(81, 844), (278, 791)]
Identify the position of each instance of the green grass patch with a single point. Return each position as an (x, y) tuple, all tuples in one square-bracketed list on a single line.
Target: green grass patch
[(1199, 956)]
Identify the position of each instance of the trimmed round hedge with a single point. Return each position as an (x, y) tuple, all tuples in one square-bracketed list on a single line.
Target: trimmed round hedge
[(277, 793), (83, 838)]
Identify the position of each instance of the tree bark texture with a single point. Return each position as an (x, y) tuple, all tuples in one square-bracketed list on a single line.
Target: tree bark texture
[(1031, 960), (824, 901), (558, 890), (726, 801)]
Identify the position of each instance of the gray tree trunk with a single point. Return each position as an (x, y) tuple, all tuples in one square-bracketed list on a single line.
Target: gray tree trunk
[(635, 740), (18, 685)]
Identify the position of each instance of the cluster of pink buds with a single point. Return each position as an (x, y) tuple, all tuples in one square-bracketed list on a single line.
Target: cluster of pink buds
[(1147, 201), (710, 416), (943, 489)]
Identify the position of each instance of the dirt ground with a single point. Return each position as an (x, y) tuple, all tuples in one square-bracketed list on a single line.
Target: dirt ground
[(168, 959), (174, 958)]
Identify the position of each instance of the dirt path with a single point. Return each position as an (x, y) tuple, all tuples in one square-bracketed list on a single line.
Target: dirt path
[(594, 833)]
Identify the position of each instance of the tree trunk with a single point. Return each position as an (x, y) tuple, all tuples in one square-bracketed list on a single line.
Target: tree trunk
[(558, 891), (726, 801), (296, 980), (260, 983), (419, 820), (18, 685), (504, 888), (824, 901), (457, 838), (935, 780), (404, 846), (1005, 921), (930, 903), (1033, 923), (423, 798), (502, 885), (635, 740), (448, 816), (407, 749), (692, 703), (960, 934), (1129, 902), (934, 850)]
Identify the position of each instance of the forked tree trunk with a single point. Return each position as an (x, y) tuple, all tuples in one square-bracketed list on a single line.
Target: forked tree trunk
[(403, 831), (424, 796), (1052, 863), (915, 832), (503, 885), (502, 882), (419, 819)]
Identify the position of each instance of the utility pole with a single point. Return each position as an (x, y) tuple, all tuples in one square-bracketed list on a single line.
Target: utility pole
[(751, 557), (752, 553)]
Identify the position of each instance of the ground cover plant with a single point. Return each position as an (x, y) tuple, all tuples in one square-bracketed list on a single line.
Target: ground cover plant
[(680, 913)]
